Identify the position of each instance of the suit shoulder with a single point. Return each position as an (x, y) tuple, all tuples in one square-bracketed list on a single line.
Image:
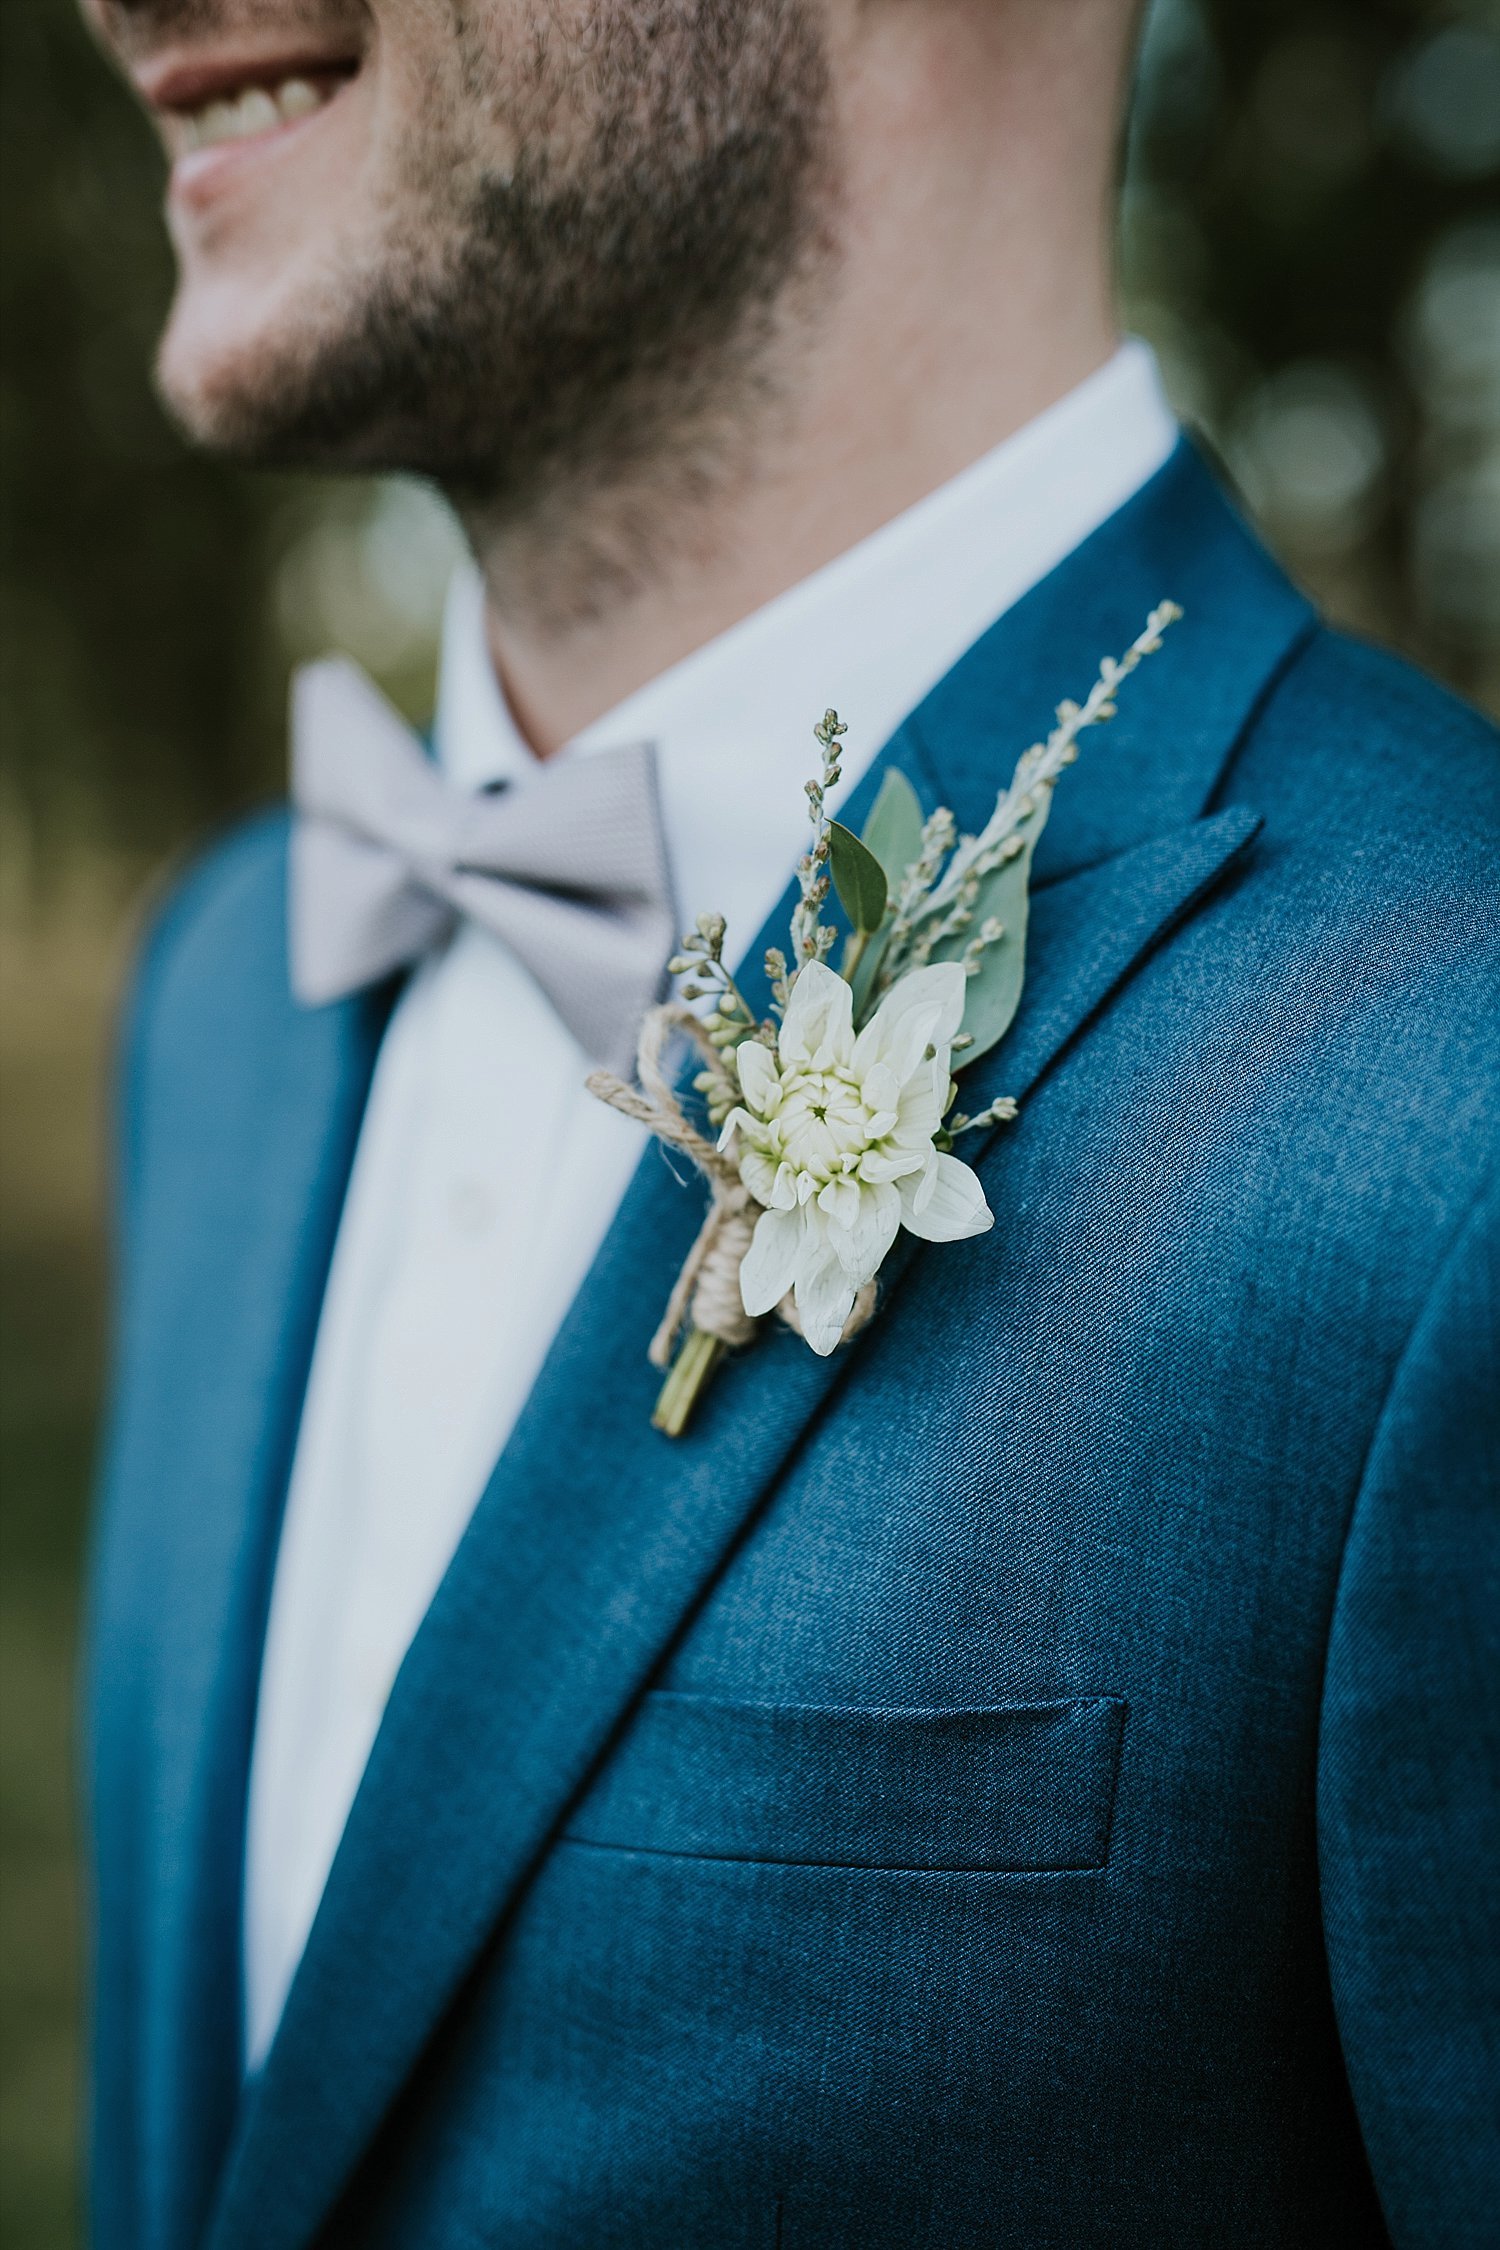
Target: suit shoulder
[(1374, 914), (1356, 741), (1398, 699), (218, 927)]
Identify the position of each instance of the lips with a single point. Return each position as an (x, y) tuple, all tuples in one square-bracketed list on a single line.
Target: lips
[(205, 104), (259, 109)]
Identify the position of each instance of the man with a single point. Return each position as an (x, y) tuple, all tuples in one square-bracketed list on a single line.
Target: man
[(1029, 1777)]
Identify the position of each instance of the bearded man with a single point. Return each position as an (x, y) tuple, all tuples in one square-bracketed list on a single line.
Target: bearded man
[(1028, 1776)]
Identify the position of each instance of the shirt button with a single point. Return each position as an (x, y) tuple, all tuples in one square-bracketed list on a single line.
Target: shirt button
[(470, 1207)]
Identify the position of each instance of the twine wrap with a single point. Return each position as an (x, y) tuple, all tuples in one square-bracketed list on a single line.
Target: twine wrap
[(706, 1294)]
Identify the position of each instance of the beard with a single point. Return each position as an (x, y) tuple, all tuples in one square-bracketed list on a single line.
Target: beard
[(603, 300)]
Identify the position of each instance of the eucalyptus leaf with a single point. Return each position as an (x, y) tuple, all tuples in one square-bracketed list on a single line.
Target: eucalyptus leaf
[(858, 877), (994, 991), (893, 831)]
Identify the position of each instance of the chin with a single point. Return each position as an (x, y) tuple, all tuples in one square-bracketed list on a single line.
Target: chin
[(230, 366), (207, 392)]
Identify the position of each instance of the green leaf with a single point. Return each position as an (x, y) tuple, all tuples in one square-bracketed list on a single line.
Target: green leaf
[(994, 992), (858, 877), (893, 831)]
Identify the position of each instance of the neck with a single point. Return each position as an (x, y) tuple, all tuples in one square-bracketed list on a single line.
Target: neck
[(968, 286)]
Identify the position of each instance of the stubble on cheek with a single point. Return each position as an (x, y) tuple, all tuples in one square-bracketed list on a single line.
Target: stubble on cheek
[(579, 218)]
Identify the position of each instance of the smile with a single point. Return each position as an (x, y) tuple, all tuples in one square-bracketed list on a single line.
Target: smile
[(200, 108), (258, 109)]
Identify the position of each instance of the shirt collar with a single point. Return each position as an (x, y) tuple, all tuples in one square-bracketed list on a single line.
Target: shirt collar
[(871, 633)]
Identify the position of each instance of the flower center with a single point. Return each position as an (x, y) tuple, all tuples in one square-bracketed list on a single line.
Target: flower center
[(824, 1123)]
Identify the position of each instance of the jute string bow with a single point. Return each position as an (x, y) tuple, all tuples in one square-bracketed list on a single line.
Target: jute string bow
[(706, 1294)]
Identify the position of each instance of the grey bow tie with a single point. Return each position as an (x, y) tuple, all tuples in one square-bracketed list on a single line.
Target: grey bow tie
[(569, 868)]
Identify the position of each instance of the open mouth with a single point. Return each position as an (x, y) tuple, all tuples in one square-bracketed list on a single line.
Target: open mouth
[(258, 109), (200, 109)]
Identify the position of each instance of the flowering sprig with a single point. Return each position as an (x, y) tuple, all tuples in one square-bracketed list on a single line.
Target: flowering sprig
[(835, 1113), (937, 902), (812, 939), (939, 837), (701, 965)]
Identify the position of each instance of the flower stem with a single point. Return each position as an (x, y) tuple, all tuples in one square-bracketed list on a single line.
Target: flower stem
[(853, 955), (688, 1376)]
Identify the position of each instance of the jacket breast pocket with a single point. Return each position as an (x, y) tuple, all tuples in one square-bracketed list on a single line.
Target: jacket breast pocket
[(1005, 1788)]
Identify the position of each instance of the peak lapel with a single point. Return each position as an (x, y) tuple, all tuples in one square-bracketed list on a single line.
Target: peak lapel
[(596, 1535), (1160, 763)]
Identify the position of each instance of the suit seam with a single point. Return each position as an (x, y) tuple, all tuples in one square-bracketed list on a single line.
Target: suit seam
[(1451, 1246), (1298, 648)]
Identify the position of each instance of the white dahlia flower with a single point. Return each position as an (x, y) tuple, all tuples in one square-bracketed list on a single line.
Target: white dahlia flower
[(835, 1137)]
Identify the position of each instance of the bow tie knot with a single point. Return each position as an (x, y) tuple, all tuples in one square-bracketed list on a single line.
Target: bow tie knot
[(568, 868)]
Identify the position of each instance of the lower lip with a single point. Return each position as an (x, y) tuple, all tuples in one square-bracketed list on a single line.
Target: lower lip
[(202, 174)]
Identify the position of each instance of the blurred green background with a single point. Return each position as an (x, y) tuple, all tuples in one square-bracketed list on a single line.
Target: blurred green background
[(1311, 238)]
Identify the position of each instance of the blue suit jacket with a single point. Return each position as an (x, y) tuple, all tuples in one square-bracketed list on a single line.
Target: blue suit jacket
[(1033, 1778)]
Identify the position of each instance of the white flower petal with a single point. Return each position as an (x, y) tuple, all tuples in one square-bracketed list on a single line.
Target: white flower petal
[(840, 1201), (760, 1081), (922, 1009), (943, 985), (861, 1248), (911, 1040), (759, 1173), (769, 1266), (880, 1088), (740, 1121), (916, 1193), (897, 1045), (818, 1027), (880, 1164), (825, 1299), (923, 1100), (946, 1202)]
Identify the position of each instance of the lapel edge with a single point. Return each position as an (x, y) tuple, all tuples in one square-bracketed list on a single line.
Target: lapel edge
[(752, 1388)]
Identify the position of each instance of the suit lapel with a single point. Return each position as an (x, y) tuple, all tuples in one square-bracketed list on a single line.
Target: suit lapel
[(229, 1224), (1161, 762), (596, 1535)]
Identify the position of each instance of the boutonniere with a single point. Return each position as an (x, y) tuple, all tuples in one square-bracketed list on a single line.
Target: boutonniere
[(831, 1123)]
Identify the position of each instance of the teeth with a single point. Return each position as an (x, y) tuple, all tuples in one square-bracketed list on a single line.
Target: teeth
[(258, 113), (259, 109), (298, 99), (218, 122)]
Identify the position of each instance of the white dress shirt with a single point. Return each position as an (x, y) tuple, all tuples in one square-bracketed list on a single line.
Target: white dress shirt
[(486, 1177)]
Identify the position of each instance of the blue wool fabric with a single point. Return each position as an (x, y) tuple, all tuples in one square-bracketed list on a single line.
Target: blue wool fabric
[(1030, 1779)]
